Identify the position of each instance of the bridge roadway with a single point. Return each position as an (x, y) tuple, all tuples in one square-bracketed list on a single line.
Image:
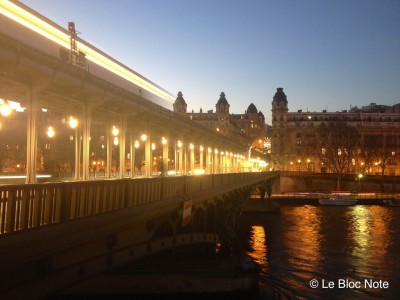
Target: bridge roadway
[(55, 235)]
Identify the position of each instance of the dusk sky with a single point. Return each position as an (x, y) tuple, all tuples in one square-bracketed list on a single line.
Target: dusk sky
[(325, 54)]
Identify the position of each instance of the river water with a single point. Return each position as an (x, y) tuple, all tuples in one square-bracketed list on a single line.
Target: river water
[(324, 252)]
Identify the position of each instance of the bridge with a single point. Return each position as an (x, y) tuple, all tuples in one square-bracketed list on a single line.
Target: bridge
[(96, 169), (54, 235)]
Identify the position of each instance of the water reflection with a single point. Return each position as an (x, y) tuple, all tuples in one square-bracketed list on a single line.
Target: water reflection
[(258, 249), (327, 243), (303, 243), (368, 232), (303, 240)]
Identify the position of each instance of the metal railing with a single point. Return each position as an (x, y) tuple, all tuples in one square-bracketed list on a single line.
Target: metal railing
[(28, 206)]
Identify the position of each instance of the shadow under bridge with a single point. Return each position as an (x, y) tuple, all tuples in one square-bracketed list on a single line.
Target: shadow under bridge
[(53, 235)]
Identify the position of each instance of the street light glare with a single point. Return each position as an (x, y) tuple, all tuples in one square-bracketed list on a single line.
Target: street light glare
[(73, 123), (50, 132), (5, 109), (115, 131)]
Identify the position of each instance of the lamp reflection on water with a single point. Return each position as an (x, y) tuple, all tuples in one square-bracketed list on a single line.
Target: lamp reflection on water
[(258, 248), (368, 237)]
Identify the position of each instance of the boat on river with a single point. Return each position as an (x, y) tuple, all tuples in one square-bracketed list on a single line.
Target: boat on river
[(338, 199), (393, 202)]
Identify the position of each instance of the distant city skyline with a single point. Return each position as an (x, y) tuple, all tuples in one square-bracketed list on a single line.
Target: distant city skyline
[(326, 55)]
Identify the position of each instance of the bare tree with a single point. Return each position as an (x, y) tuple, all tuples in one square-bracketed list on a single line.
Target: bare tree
[(382, 150), (364, 154), (339, 143)]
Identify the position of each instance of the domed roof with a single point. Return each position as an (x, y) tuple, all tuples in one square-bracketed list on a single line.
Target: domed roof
[(252, 109), (280, 95), (222, 100), (261, 114)]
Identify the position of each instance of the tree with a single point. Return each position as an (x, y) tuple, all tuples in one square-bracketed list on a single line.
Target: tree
[(339, 143), (365, 157), (382, 150)]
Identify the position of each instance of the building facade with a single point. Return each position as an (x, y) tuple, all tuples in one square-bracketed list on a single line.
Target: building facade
[(301, 141), (247, 127)]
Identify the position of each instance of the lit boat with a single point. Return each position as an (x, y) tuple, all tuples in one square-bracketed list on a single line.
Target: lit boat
[(338, 199)]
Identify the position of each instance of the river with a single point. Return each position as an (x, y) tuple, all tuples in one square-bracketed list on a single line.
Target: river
[(324, 252)]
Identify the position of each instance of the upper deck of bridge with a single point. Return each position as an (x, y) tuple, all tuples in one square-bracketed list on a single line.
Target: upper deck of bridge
[(71, 111)]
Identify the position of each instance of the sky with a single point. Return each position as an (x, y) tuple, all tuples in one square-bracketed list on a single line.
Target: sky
[(325, 54)]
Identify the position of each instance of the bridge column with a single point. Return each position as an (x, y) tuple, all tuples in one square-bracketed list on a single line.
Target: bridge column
[(191, 147), (201, 158), (122, 146), (185, 159), (208, 161), (109, 150), (147, 154), (226, 162), (165, 143), (216, 166), (132, 147), (235, 163), (77, 154), (31, 147), (222, 162), (86, 122), (180, 155), (175, 159)]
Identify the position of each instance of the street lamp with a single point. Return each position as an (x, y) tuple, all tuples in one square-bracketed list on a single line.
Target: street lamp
[(5, 108), (115, 131), (50, 132), (360, 176), (73, 123)]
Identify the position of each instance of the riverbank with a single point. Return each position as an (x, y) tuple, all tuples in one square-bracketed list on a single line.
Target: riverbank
[(255, 203)]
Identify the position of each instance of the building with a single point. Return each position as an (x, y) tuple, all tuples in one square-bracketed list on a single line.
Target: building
[(301, 141), (248, 127)]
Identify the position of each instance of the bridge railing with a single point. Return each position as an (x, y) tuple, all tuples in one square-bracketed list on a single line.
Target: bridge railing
[(27, 206)]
